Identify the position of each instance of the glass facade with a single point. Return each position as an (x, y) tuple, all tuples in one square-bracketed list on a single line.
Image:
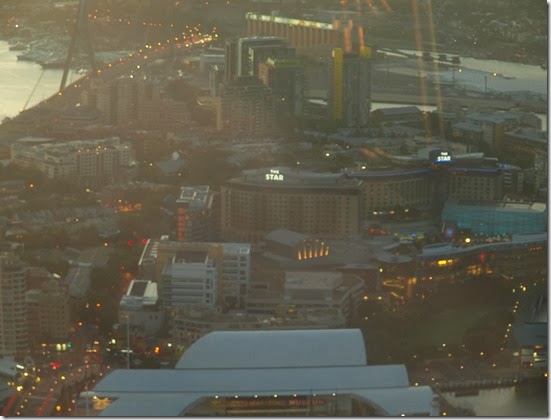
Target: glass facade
[(496, 218)]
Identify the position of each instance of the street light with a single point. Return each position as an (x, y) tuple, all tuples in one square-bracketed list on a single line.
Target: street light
[(127, 341), (127, 316)]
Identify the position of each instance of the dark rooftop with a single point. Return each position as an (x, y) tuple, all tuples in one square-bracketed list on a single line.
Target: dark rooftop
[(191, 256), (138, 288)]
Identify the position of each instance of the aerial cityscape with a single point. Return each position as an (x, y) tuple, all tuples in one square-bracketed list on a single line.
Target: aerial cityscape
[(273, 208)]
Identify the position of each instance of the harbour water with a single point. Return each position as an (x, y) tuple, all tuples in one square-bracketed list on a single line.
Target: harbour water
[(503, 402), (478, 74), (23, 83)]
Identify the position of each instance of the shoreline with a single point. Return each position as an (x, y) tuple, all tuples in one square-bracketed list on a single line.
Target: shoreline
[(401, 98), (463, 52)]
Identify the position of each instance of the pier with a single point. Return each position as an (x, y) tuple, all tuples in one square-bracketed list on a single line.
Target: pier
[(469, 386)]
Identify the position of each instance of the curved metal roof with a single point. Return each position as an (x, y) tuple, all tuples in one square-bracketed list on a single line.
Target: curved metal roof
[(264, 363), (270, 349)]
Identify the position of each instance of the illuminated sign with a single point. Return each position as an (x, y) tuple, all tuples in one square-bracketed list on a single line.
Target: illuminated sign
[(443, 157), (288, 21), (274, 175), (266, 402)]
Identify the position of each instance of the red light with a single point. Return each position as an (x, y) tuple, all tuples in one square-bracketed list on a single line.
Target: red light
[(130, 243), (54, 365), (144, 241)]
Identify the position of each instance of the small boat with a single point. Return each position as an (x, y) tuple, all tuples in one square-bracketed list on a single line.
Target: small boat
[(19, 46), (52, 64)]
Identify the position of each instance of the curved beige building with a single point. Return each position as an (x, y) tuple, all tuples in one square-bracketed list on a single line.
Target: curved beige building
[(262, 200)]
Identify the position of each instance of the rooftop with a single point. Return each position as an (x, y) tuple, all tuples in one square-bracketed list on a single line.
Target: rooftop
[(293, 177), (264, 363), (276, 349), (286, 237), (501, 205), (189, 256), (311, 280)]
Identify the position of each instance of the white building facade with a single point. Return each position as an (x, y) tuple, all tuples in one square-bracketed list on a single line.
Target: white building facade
[(140, 308), (190, 278)]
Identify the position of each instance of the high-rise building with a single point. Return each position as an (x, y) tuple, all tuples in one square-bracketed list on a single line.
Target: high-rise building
[(350, 92), (126, 104), (243, 55), (133, 100), (259, 53), (230, 66), (246, 108), (14, 339), (48, 312), (285, 76)]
